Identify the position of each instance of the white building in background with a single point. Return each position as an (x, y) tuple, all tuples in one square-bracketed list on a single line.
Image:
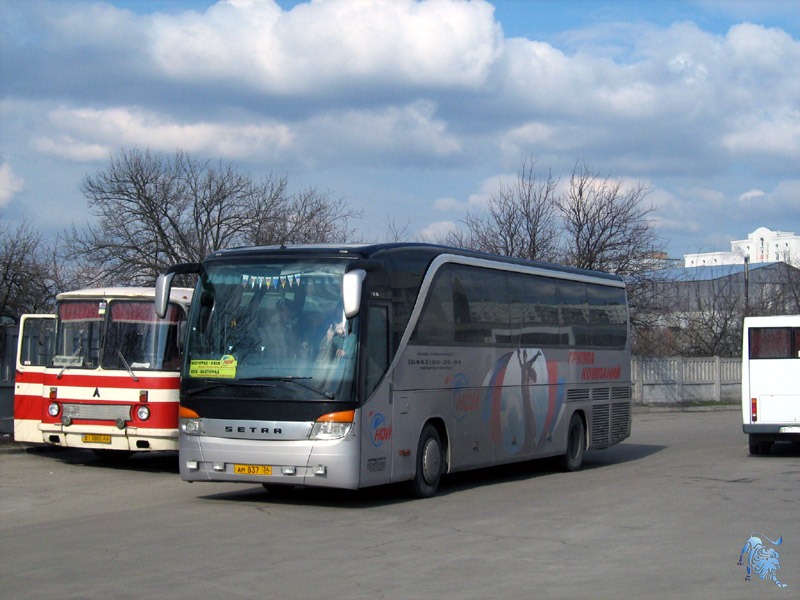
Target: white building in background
[(762, 246)]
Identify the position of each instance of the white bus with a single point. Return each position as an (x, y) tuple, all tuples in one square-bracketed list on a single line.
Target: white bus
[(105, 374), (770, 394), (354, 366)]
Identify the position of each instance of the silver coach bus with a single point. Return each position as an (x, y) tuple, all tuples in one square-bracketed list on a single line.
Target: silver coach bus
[(353, 366)]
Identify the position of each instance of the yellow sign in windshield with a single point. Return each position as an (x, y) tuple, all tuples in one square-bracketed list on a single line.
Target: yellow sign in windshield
[(224, 367)]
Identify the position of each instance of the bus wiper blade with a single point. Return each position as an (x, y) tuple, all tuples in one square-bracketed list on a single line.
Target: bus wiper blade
[(226, 383), (296, 380), (127, 366)]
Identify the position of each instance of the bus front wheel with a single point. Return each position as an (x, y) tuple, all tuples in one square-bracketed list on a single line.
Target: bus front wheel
[(576, 444), (430, 463)]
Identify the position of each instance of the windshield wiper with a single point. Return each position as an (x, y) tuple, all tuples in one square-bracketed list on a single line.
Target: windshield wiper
[(69, 361), (259, 382), (127, 366), (226, 383), (296, 380)]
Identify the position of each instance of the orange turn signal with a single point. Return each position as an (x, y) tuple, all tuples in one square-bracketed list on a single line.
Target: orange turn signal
[(187, 413), (346, 416)]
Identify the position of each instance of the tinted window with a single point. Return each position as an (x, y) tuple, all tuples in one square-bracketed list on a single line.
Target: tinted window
[(435, 325), (770, 342), (480, 305), (534, 310)]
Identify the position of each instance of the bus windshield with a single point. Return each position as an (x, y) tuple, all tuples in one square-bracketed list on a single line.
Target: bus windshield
[(137, 339), (78, 338), (272, 330)]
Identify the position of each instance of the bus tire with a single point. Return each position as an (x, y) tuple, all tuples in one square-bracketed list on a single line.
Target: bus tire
[(430, 463), (572, 460)]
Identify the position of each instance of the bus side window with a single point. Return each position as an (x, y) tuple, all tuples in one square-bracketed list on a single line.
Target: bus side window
[(435, 325), (377, 346)]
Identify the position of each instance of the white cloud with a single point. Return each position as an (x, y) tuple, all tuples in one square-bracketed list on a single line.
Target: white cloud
[(437, 231), (326, 45), (88, 134), (477, 200), (10, 184), (410, 132), (751, 196)]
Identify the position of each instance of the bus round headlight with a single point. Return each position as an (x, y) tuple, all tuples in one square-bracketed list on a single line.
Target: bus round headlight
[(143, 412), (53, 409)]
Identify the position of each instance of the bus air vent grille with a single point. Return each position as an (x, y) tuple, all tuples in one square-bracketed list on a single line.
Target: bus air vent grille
[(600, 394), (575, 395), (600, 418), (620, 420), (620, 393), (97, 412)]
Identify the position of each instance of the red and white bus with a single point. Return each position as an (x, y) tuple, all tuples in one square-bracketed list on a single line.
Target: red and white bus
[(104, 374), (770, 395)]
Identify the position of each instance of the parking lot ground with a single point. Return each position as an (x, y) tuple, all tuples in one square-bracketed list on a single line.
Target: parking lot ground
[(663, 515)]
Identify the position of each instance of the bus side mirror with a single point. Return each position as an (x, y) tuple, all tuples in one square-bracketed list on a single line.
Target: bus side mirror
[(163, 285), (351, 291)]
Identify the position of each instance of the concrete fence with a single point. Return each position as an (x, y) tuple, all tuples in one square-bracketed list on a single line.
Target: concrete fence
[(677, 379)]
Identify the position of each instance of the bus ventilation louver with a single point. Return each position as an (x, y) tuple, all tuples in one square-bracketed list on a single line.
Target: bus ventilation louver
[(97, 412)]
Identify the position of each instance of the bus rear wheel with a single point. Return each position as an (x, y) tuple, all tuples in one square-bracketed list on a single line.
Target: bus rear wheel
[(430, 463), (576, 444)]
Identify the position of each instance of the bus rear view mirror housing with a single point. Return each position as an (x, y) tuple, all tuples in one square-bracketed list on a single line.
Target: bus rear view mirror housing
[(351, 291), (163, 285)]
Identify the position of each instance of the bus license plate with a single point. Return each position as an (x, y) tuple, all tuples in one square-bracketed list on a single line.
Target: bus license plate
[(252, 469), (96, 438)]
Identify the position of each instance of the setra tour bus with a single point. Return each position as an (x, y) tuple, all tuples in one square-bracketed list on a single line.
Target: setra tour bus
[(359, 365), (105, 374), (770, 398)]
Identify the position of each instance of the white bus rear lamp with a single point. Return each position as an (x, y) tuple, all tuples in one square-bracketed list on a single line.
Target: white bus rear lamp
[(192, 465), (288, 471), (320, 471), (53, 409), (218, 466)]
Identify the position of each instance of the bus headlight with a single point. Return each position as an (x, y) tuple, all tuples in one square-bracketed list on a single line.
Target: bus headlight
[(53, 409), (192, 426), (143, 412), (332, 426)]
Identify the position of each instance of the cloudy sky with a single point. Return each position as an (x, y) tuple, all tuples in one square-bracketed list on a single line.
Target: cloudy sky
[(414, 111)]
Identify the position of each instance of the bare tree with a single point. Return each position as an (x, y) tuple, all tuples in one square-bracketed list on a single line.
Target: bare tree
[(153, 211), (27, 275), (606, 224), (711, 322), (519, 219)]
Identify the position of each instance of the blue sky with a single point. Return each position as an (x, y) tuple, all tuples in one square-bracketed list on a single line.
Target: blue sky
[(414, 112)]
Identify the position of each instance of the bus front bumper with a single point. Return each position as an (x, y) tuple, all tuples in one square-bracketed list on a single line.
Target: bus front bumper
[(301, 463), (109, 437)]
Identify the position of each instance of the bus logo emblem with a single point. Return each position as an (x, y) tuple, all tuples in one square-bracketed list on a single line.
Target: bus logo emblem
[(380, 431)]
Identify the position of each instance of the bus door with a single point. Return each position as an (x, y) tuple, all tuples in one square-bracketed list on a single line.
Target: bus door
[(377, 418), (35, 349)]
